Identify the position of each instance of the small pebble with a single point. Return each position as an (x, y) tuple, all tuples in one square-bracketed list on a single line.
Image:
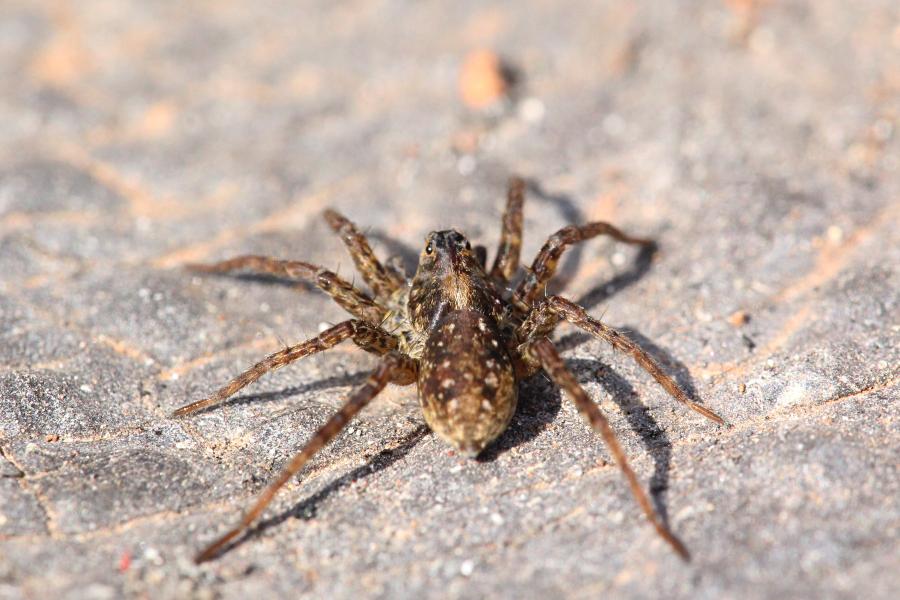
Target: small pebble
[(739, 318), (482, 81)]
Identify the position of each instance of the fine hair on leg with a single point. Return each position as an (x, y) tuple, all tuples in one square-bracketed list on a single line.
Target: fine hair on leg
[(389, 368), (383, 282), (348, 297), (544, 266), (366, 336), (507, 260), (543, 351), (547, 314)]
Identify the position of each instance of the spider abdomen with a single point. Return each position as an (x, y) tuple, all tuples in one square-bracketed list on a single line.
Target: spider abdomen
[(467, 386)]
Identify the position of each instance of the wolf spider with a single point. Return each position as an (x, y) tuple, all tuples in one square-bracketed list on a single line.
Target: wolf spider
[(456, 332)]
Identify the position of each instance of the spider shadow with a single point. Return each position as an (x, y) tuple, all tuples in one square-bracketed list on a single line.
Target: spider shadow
[(539, 403), (571, 261), (265, 279), (400, 255), (671, 365), (653, 438), (307, 508), (677, 369), (639, 267), (349, 379)]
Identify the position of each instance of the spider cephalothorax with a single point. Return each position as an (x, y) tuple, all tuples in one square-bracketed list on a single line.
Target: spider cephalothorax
[(454, 331), (449, 277)]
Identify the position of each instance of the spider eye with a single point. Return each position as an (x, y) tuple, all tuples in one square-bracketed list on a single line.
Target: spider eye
[(429, 249)]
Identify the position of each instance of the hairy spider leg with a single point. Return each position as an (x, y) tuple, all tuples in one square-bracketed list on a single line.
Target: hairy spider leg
[(544, 266), (348, 297), (367, 337), (543, 351), (383, 281), (550, 311), (507, 260), (393, 367)]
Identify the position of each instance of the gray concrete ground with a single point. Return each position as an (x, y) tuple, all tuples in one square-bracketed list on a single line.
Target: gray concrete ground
[(757, 142)]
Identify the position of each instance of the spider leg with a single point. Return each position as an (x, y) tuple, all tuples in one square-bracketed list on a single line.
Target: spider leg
[(348, 297), (369, 338), (394, 366), (543, 351), (383, 282), (507, 260), (544, 265), (545, 316)]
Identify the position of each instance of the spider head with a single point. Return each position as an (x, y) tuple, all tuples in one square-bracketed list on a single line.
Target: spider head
[(447, 251), (449, 277)]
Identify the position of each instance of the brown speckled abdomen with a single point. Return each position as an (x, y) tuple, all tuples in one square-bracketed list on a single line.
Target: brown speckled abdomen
[(466, 381)]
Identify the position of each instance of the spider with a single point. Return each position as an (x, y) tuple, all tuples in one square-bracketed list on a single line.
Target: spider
[(457, 330)]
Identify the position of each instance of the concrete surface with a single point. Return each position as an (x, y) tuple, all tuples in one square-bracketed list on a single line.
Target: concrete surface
[(758, 142)]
